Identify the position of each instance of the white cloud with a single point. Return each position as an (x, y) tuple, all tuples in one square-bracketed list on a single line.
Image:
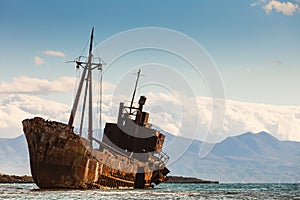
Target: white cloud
[(38, 61), (30, 85), (54, 53), (175, 115), (15, 108), (253, 4), (248, 70), (276, 62), (286, 8), (281, 121), (168, 113)]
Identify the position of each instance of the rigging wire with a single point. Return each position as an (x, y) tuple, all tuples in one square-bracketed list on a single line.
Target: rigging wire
[(77, 75), (100, 106), (100, 85), (95, 48), (85, 47), (84, 132)]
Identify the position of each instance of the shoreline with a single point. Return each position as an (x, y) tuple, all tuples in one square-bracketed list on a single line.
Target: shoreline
[(188, 180), (4, 178)]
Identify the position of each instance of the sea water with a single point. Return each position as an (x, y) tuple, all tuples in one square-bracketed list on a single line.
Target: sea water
[(162, 191)]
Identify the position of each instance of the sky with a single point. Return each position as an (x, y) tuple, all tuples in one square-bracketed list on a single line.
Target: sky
[(253, 46)]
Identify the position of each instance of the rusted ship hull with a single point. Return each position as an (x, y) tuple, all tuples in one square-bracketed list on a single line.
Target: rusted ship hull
[(61, 159), (130, 154)]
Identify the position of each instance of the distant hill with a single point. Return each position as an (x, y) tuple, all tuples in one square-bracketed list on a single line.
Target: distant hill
[(14, 156), (245, 158)]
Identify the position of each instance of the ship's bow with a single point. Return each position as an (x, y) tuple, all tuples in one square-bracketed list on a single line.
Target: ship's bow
[(53, 149)]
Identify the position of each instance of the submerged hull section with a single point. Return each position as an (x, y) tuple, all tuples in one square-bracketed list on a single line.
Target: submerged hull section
[(61, 159)]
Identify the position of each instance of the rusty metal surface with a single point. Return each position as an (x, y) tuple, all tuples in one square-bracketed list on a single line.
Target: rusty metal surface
[(61, 159)]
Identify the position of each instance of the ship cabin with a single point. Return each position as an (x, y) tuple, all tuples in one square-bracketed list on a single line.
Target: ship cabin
[(133, 134)]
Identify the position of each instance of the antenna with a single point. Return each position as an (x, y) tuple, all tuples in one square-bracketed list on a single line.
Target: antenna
[(136, 82)]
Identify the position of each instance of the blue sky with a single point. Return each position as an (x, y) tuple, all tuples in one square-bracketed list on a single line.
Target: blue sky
[(255, 45), (256, 50)]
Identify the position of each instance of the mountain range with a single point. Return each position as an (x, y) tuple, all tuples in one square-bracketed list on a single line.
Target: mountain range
[(249, 157), (244, 158)]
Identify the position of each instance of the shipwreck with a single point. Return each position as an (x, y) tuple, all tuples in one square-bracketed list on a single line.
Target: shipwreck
[(129, 155)]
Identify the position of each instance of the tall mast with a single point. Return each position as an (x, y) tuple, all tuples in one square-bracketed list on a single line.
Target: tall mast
[(90, 119), (86, 76), (83, 76)]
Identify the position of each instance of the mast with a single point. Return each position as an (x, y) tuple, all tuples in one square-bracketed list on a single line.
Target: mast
[(86, 76), (90, 119)]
